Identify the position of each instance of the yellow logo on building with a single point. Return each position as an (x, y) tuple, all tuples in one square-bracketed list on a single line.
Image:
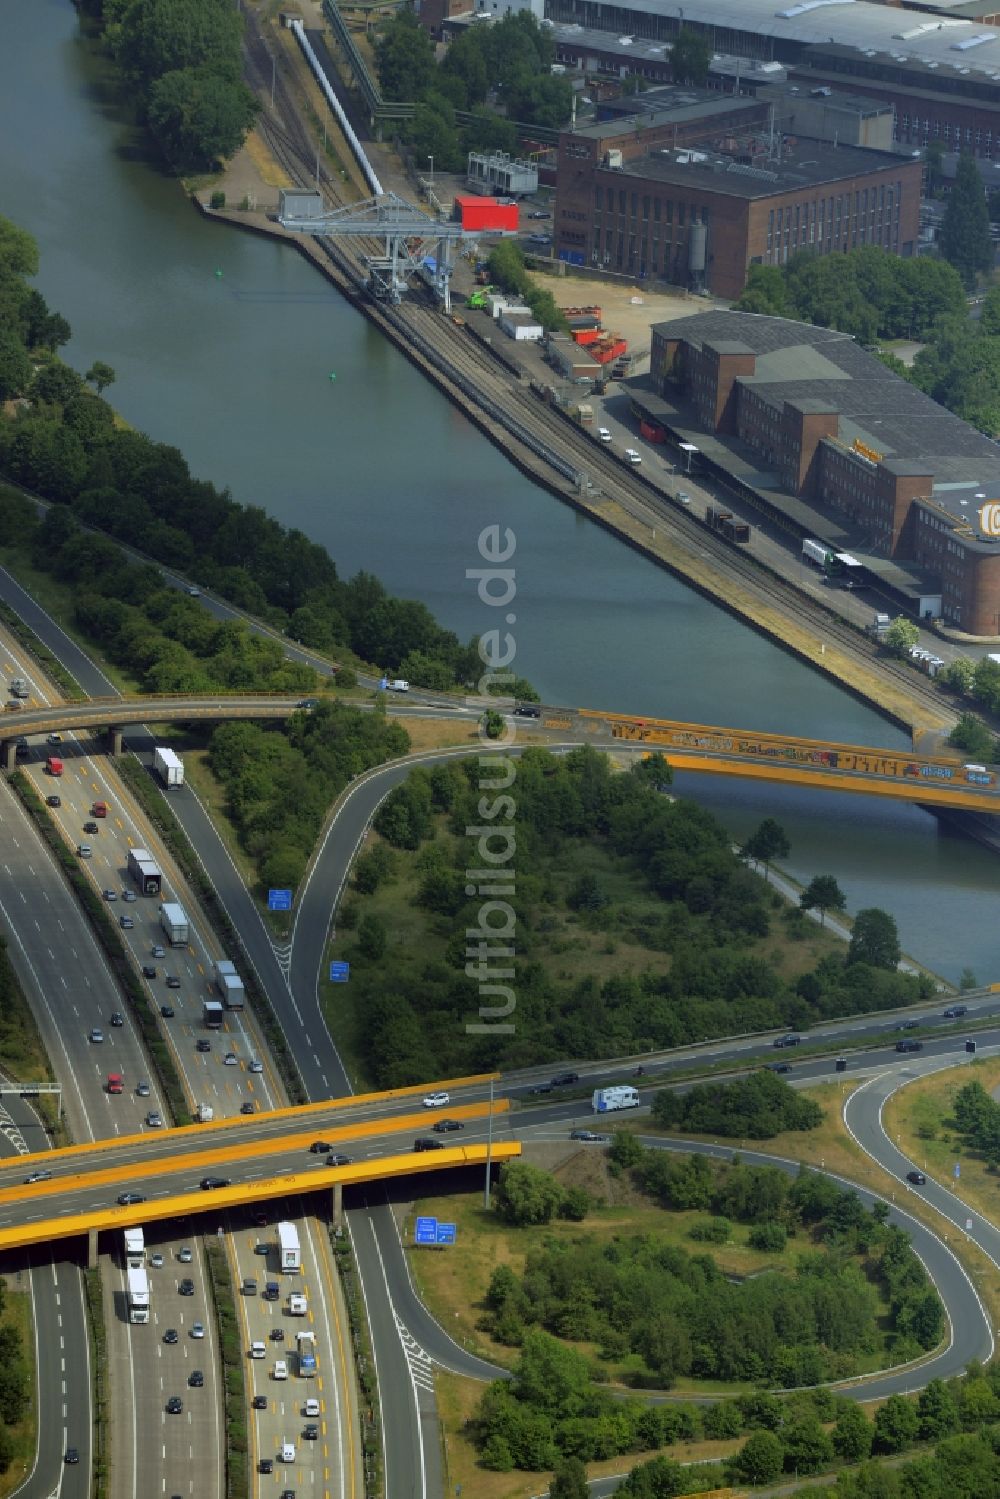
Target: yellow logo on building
[(867, 452), (989, 518)]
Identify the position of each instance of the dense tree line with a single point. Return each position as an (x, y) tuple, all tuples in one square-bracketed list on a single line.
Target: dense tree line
[(751, 1108), (63, 444), (977, 1118), (279, 786), (182, 61), (663, 1313), (868, 293), (702, 908), (507, 269)]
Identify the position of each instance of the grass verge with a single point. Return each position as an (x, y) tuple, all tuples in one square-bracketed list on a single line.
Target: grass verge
[(233, 1374), (94, 1300), (158, 813), (23, 1436), (117, 955), (369, 1407)]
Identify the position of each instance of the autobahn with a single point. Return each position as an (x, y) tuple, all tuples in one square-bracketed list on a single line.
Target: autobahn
[(411, 1446)]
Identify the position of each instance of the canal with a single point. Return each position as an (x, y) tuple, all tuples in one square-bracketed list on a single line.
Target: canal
[(224, 344)]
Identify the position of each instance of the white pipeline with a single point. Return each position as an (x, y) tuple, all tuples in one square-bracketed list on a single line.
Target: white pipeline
[(335, 105)]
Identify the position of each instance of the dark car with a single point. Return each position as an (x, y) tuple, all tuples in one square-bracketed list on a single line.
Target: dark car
[(186, 1287), (308, 702), (248, 1107), (56, 801), (170, 1336), (196, 1379), (447, 1126), (288, 1494), (261, 1248), (173, 982), (277, 1334), (917, 1178), (780, 1067), (129, 1199), (210, 1183), (527, 710), (92, 828), (175, 1405), (259, 1402), (272, 1291), (790, 1040), (340, 1160), (541, 1088), (584, 1134), (320, 1147), (167, 1011), (310, 1432), (425, 1144), (203, 1045), (565, 1079), (117, 1018), (72, 1455), (265, 1465), (908, 1025), (909, 1046), (148, 971), (954, 1011)]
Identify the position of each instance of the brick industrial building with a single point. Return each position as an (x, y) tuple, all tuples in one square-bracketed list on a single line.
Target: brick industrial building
[(706, 186), (808, 426)]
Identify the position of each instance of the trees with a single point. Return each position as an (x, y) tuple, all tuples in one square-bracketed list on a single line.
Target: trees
[(769, 841), (901, 635), (200, 116), (100, 376), (569, 1481), (874, 939), (761, 1459), (525, 1194), (965, 229), (895, 1425), (853, 1434), (822, 894), (690, 56), (15, 367), (404, 57)]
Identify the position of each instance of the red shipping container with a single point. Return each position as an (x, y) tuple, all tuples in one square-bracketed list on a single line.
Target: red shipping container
[(484, 214), (652, 432), (585, 335), (604, 353)]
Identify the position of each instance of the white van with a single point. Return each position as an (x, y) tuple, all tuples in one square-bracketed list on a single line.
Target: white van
[(257, 1350), (297, 1305), (287, 1452)]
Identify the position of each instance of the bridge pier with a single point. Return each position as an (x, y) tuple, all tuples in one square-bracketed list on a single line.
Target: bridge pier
[(9, 754), (116, 740), (92, 1249), (337, 1209)]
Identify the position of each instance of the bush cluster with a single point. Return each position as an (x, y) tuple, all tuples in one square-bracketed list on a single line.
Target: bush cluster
[(750, 1108)]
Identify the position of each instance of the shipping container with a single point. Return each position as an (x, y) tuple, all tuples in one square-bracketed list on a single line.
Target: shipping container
[(584, 336), (815, 551), (486, 215), (581, 312), (652, 431), (606, 350)]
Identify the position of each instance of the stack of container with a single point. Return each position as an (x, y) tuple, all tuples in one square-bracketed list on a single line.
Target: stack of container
[(608, 348)]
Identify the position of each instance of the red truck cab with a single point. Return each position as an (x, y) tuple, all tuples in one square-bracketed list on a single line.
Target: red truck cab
[(54, 765), (116, 1083), (99, 809)]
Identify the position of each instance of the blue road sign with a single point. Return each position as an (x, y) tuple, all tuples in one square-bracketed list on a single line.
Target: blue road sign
[(339, 973), (425, 1231), (445, 1233), (279, 900), (383, 683), (958, 1170)]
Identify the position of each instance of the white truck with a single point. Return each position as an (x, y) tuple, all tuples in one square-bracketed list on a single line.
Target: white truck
[(607, 1099), (168, 766), (816, 552), (138, 1295), (289, 1249), (135, 1248), (297, 1305), (205, 1113), (396, 684), (229, 984), (145, 871), (173, 919), (305, 1343)]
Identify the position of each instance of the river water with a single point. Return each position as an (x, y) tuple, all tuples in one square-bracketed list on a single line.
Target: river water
[(224, 345)]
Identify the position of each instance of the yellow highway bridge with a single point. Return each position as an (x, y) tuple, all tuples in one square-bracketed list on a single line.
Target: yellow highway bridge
[(704, 748)]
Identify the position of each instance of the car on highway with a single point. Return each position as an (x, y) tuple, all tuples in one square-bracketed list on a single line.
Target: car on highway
[(437, 1100), (587, 1134), (175, 1405), (909, 1046), (196, 1379), (425, 1144), (55, 801), (287, 1453), (117, 1018), (231, 1059), (259, 1402), (72, 1455), (197, 1329), (193, 593), (339, 1160), (93, 828), (211, 1183), (156, 951), (185, 1255), (203, 1044), (149, 970), (186, 1287), (257, 1349), (917, 1178), (311, 1407), (538, 213), (633, 455), (565, 1079), (277, 1334), (248, 1107), (320, 1147), (780, 1067), (603, 434), (541, 1090), (954, 1011), (167, 1011), (256, 1065), (527, 710), (53, 739), (265, 1465), (280, 1369), (110, 894), (448, 1126), (156, 1260), (129, 895), (170, 1336), (288, 1494), (261, 1248), (126, 923), (37, 1176), (908, 1025), (142, 1089), (96, 1036), (173, 982), (154, 1119), (249, 1286), (539, 239), (308, 702), (310, 1432), (84, 851)]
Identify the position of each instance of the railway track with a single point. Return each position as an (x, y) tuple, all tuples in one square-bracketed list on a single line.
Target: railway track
[(578, 464)]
